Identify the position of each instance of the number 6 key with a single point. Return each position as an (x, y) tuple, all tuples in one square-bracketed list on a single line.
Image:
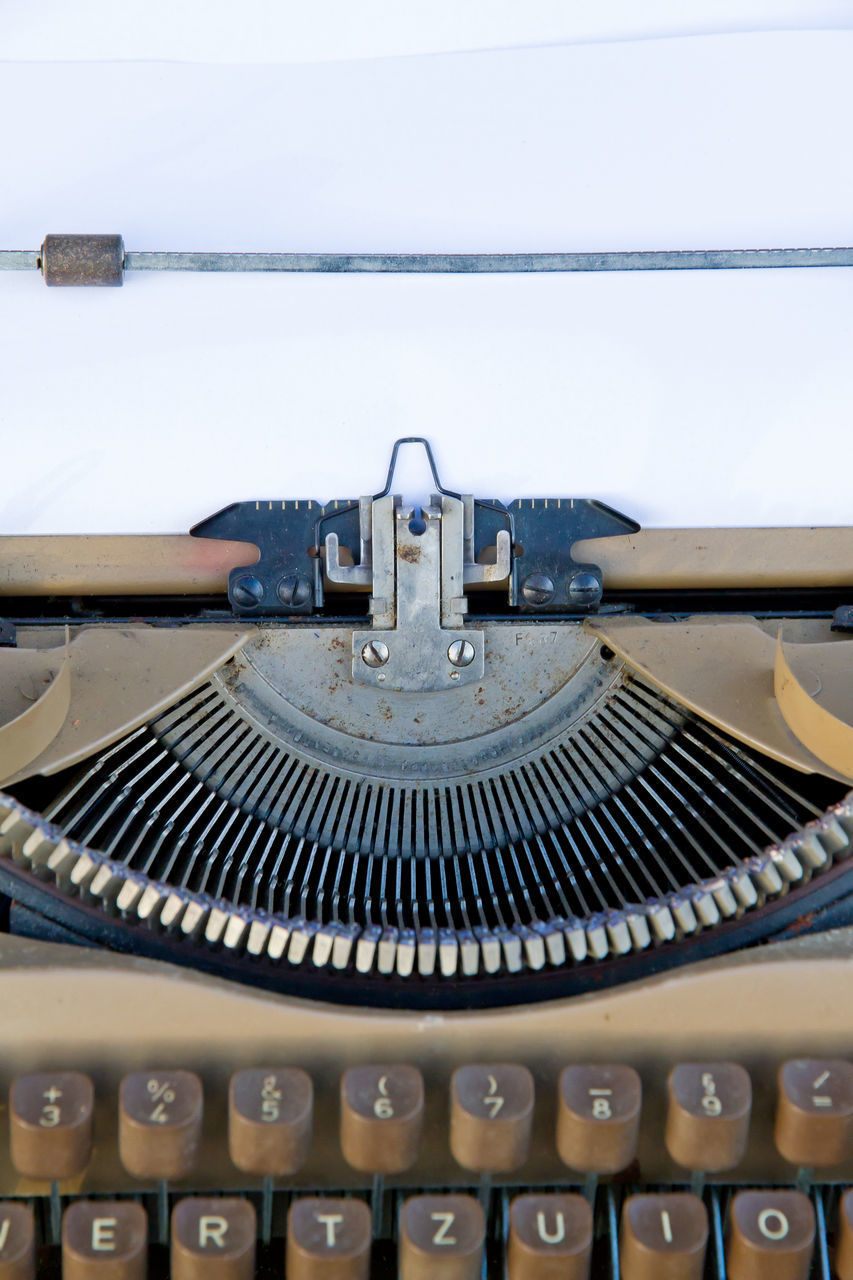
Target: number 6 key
[(382, 1113)]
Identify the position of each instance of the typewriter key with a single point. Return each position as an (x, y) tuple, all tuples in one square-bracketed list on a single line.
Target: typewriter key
[(814, 1116), (17, 1242), (663, 1237), (213, 1239), (598, 1117), (328, 1240), (771, 1236), (50, 1124), (707, 1122), (441, 1238), (844, 1249), (160, 1123), (104, 1241), (382, 1113), (270, 1114), (491, 1116), (550, 1238)]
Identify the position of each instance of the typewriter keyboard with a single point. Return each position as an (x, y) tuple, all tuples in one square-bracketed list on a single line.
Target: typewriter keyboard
[(158, 1123), (600, 1218)]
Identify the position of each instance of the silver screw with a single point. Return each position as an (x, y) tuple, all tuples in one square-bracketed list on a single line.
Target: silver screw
[(294, 591), (538, 588), (375, 653), (461, 653), (585, 589)]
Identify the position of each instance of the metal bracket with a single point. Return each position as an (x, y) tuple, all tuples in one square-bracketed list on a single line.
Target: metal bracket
[(281, 581), (418, 641), (547, 578)]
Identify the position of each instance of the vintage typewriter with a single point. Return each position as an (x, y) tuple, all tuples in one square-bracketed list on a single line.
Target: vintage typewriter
[(452, 891)]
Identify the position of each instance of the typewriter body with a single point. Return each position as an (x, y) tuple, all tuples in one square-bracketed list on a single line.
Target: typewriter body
[(459, 890)]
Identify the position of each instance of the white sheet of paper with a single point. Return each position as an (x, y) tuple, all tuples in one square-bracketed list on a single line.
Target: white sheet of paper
[(332, 30), (685, 398)]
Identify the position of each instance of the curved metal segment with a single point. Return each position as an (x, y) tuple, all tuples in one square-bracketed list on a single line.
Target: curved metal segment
[(818, 704), (721, 669), (120, 678), (46, 679)]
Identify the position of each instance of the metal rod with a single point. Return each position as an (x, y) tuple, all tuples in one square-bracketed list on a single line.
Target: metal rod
[(491, 263), (613, 1234), (461, 263), (55, 1213), (376, 1201), (163, 1211), (717, 1229), (822, 1247), (266, 1209)]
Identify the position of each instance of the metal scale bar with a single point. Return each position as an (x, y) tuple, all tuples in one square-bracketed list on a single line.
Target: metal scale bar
[(103, 260)]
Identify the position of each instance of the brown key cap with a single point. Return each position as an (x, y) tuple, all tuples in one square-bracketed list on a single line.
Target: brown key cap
[(213, 1239), (663, 1237), (441, 1238), (707, 1123), (814, 1111), (159, 1126), (104, 1241), (550, 1238), (598, 1117), (491, 1114), (17, 1242), (50, 1124), (270, 1115), (844, 1250), (328, 1240), (382, 1113), (771, 1236)]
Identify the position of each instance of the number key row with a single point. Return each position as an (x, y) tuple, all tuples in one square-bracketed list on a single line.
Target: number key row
[(382, 1114)]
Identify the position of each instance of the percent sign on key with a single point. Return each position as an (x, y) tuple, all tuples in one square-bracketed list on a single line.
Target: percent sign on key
[(161, 1093)]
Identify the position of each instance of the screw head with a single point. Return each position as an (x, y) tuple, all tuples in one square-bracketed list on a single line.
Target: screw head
[(294, 591), (538, 588), (585, 588), (461, 653), (248, 591), (375, 653)]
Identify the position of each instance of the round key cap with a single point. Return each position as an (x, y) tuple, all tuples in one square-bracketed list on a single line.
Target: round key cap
[(441, 1238), (663, 1237), (382, 1113), (328, 1240), (771, 1236), (270, 1114), (598, 1117), (491, 1115), (159, 1130), (707, 1123), (550, 1238), (50, 1124), (213, 1239), (844, 1248), (17, 1241), (104, 1241), (814, 1114)]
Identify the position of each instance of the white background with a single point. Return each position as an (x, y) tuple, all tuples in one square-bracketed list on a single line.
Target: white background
[(686, 398)]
